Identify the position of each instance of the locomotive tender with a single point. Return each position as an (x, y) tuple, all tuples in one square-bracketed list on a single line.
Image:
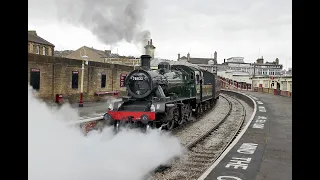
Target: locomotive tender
[(164, 98)]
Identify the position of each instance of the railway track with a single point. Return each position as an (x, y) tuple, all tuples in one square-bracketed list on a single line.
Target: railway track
[(206, 139)]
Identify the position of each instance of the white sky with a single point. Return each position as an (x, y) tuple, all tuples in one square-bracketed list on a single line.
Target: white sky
[(230, 27)]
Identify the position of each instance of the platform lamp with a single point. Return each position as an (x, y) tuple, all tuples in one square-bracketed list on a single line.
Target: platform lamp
[(81, 83)]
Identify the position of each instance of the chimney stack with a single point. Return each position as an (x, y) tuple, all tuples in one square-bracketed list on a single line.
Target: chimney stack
[(33, 32), (216, 55), (224, 60), (178, 56), (145, 62), (188, 57)]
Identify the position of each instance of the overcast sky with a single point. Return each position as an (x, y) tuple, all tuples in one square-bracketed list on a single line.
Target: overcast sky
[(246, 28)]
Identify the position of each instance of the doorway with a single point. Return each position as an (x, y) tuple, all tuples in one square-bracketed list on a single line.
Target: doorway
[(278, 88), (35, 78)]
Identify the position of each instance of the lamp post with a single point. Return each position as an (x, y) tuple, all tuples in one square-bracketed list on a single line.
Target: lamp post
[(81, 82)]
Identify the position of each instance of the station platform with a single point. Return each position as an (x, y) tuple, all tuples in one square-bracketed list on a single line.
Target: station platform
[(89, 109), (264, 152)]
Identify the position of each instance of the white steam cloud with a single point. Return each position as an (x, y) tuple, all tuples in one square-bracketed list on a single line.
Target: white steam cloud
[(110, 20), (56, 151)]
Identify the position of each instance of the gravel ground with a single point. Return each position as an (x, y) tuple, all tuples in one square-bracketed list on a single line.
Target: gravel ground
[(199, 158), (204, 124)]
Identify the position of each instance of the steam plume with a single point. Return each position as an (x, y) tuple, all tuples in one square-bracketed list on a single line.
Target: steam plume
[(110, 20)]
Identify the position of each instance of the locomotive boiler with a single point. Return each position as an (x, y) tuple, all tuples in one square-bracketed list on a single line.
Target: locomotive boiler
[(163, 98)]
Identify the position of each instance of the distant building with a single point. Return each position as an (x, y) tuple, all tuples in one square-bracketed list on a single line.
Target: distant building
[(196, 60), (102, 56), (235, 70), (63, 53), (236, 59), (205, 63), (38, 45), (287, 72), (258, 68)]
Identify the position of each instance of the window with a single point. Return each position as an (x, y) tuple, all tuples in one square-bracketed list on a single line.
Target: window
[(103, 80), (44, 51), (75, 79), (37, 50), (198, 78), (284, 85), (35, 78), (191, 76), (28, 47)]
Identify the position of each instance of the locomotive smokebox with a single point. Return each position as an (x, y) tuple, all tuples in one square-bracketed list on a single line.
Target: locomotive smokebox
[(145, 62)]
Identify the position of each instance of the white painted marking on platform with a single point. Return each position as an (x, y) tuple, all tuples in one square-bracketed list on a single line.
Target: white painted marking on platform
[(254, 97), (227, 178), (259, 102), (247, 148), (262, 109), (259, 124), (207, 172), (239, 162)]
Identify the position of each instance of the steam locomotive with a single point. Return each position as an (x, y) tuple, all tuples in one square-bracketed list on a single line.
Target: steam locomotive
[(164, 98)]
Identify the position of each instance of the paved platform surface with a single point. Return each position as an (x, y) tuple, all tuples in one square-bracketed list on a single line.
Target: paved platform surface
[(90, 109), (265, 150)]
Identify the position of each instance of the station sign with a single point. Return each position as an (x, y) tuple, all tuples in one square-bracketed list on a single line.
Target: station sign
[(122, 79)]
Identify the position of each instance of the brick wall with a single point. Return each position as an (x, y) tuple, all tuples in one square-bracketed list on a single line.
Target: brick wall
[(56, 75)]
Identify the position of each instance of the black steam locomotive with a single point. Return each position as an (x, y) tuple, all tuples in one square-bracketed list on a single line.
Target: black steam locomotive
[(164, 98)]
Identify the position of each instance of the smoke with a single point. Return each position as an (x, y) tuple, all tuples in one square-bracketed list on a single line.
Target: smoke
[(57, 151), (110, 20)]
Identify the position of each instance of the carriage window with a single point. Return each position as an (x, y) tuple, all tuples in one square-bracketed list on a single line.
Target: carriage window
[(198, 78), (191, 76)]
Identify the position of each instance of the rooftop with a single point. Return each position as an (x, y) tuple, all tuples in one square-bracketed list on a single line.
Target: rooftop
[(33, 37)]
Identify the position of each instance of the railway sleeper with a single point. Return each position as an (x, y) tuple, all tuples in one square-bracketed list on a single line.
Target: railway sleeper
[(191, 170), (211, 155), (201, 160), (180, 176)]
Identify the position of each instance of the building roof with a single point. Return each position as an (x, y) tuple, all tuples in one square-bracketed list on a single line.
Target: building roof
[(94, 54), (198, 60), (103, 54), (33, 37)]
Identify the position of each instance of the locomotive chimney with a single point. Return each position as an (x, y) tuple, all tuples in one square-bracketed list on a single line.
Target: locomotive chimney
[(179, 57), (150, 41), (145, 62)]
